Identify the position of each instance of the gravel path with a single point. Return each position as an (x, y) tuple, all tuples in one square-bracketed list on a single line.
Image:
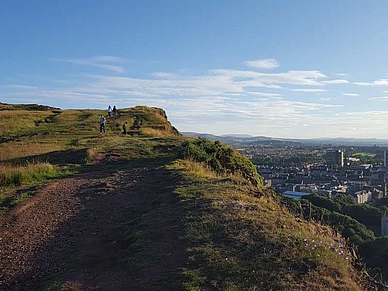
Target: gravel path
[(106, 230)]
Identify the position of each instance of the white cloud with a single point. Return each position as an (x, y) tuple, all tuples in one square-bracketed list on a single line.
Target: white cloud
[(351, 94), (109, 59), (308, 90), (220, 101), (362, 83), (334, 82), (381, 82), (264, 94), (383, 98), (263, 64), (97, 62), (306, 78), (325, 99), (23, 87), (164, 75)]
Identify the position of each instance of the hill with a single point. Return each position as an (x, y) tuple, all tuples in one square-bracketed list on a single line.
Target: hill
[(151, 210), (279, 142)]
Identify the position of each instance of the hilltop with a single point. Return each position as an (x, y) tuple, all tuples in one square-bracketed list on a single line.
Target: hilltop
[(151, 210)]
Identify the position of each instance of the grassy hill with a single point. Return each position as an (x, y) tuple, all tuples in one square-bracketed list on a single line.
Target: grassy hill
[(236, 234)]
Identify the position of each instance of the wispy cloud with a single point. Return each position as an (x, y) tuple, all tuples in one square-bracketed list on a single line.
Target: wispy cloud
[(351, 94), (326, 99), (97, 62), (382, 98), (22, 87), (165, 75), (264, 94), (256, 79), (381, 82), (263, 64), (334, 82), (308, 90)]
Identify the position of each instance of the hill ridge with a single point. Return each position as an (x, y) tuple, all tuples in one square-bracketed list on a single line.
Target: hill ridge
[(149, 211)]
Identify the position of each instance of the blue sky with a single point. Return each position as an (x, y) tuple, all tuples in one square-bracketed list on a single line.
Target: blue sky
[(288, 69)]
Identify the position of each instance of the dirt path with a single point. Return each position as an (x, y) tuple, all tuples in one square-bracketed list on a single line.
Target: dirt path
[(109, 230)]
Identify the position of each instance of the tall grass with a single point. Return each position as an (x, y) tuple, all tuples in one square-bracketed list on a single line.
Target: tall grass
[(14, 176)]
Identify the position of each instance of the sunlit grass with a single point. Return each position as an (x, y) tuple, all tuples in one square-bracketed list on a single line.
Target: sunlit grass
[(240, 238), (11, 175), (152, 132)]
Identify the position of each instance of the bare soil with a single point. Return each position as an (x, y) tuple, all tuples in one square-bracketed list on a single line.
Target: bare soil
[(108, 229)]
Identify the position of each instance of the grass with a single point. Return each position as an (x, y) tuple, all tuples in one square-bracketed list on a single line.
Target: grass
[(12, 176), (17, 177), (133, 240), (40, 143), (241, 239), (238, 236), (363, 155)]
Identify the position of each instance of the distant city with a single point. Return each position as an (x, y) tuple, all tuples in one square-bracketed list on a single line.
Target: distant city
[(328, 167)]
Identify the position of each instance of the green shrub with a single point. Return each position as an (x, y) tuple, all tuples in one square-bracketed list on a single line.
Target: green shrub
[(220, 158), (324, 202)]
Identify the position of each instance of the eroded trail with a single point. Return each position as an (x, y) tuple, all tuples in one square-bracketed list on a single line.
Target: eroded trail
[(109, 230)]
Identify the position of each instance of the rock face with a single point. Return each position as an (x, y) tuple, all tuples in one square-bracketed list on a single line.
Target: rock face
[(149, 117)]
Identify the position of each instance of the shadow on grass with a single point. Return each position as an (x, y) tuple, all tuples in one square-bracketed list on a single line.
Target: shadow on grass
[(18, 197), (79, 156)]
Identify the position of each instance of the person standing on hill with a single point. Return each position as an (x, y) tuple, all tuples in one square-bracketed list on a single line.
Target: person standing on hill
[(125, 127), (114, 111), (102, 124), (109, 110)]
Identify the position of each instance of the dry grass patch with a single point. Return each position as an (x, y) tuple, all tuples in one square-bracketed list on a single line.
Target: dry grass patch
[(14, 150)]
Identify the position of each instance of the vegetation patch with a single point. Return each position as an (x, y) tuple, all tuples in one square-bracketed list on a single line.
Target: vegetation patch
[(241, 239), (220, 158), (13, 176)]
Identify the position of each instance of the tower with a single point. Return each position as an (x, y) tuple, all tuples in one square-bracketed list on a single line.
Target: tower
[(335, 158)]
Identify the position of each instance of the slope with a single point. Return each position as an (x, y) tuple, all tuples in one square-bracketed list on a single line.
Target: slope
[(150, 211)]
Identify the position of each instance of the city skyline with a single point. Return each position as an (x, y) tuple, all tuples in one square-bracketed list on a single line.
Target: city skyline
[(281, 69)]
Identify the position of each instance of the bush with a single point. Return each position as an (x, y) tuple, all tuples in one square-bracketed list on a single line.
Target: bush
[(220, 158), (324, 202)]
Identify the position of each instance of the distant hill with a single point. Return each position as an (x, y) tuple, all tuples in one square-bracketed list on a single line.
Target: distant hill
[(264, 140), (36, 107), (246, 139)]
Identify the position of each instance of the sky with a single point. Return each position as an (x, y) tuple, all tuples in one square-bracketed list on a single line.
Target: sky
[(276, 68)]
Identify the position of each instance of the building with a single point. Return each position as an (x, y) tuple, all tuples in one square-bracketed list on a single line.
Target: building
[(362, 196), (384, 226), (335, 158)]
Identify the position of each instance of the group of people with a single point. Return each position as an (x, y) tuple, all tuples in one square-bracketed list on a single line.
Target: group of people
[(110, 111), (103, 120)]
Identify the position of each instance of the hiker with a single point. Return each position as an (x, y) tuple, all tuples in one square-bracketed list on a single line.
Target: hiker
[(125, 127), (109, 110), (102, 123), (114, 110)]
